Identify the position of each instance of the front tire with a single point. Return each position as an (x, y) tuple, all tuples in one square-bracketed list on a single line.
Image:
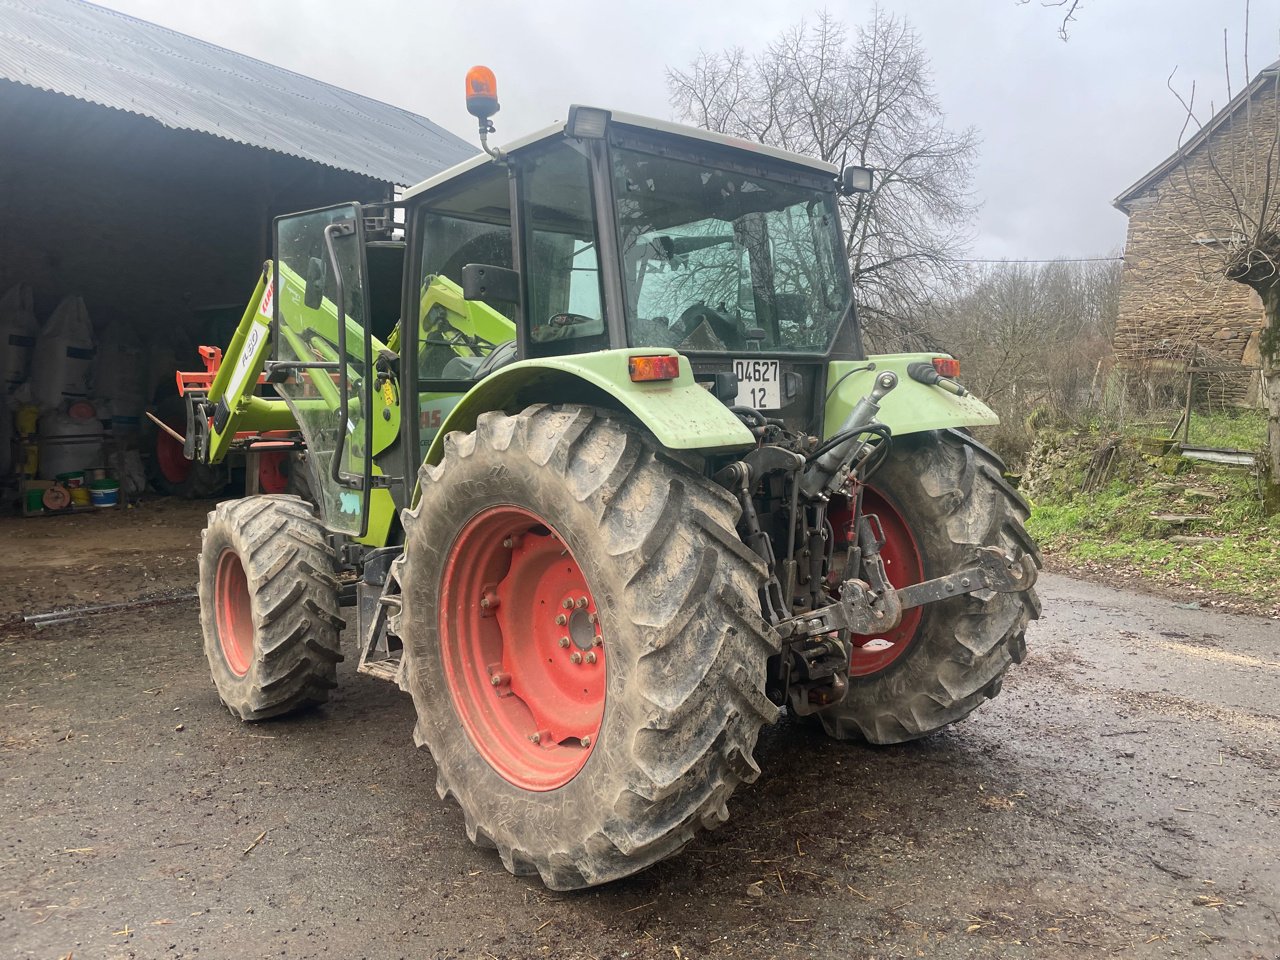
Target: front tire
[(269, 606), (939, 496), (546, 537)]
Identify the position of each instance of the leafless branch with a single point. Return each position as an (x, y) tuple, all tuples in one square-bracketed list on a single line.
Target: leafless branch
[(1067, 18)]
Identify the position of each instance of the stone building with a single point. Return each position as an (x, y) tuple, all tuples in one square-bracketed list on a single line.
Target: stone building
[(1176, 306)]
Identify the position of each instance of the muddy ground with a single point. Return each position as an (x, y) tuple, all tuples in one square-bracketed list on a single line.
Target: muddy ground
[(1120, 798)]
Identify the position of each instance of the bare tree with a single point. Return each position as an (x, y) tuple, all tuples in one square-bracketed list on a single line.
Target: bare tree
[(1031, 338), (1228, 176), (863, 97)]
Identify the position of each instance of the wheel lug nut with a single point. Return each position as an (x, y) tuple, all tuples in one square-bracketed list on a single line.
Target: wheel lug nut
[(593, 618), (498, 679), (575, 657), (564, 641), (567, 604), (507, 543), (597, 640), (591, 657), (582, 601), (586, 741), (561, 619), (535, 738), (489, 601)]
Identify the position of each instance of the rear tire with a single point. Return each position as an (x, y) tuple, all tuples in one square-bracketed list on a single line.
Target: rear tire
[(950, 492), (682, 642), (269, 606)]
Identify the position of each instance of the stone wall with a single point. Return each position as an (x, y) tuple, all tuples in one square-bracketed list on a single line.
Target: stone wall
[(1176, 306)]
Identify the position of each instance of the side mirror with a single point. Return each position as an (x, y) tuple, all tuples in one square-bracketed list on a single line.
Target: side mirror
[(490, 284), (317, 274), (856, 180)]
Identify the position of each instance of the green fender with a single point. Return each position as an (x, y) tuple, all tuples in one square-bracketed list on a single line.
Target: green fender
[(681, 414), (912, 407)]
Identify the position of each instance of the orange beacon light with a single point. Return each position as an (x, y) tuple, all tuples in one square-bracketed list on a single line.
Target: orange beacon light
[(482, 93)]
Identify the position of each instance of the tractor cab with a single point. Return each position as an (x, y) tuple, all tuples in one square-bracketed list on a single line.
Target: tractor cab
[(605, 232), (610, 231)]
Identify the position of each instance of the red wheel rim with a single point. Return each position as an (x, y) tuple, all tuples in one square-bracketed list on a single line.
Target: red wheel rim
[(174, 467), (904, 566), (233, 613), (521, 647), (271, 475)]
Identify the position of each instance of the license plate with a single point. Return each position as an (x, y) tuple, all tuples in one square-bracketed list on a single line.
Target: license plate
[(758, 384)]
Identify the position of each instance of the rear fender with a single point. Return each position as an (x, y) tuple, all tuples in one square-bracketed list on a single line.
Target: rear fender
[(679, 413), (911, 407)]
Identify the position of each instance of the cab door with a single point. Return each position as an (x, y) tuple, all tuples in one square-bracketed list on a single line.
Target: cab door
[(323, 354)]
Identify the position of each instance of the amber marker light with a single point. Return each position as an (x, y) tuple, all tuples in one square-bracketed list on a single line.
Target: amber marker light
[(644, 369), (947, 367)]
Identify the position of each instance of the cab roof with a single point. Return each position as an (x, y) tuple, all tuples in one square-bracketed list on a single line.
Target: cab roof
[(630, 120)]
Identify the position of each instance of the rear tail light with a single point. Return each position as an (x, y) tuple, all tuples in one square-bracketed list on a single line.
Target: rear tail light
[(653, 368), (947, 367)]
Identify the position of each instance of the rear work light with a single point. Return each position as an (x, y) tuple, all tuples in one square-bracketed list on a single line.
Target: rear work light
[(653, 368), (947, 367)]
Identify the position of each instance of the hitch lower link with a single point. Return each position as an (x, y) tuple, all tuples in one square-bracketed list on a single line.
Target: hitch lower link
[(862, 610)]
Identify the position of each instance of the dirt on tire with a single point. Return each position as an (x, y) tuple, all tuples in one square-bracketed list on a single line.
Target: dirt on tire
[(291, 605), (950, 491), (677, 594)]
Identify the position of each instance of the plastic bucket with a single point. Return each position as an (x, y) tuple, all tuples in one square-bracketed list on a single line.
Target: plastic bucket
[(71, 479), (35, 499), (80, 497), (104, 493)]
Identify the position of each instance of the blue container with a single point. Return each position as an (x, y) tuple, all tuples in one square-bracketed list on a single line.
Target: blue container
[(104, 493)]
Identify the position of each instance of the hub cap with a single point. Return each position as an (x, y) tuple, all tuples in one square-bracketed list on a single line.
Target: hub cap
[(522, 649), (233, 613), (903, 564)]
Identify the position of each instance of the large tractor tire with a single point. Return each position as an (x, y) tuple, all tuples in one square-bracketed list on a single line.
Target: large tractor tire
[(582, 641), (269, 606), (939, 496), (169, 472)]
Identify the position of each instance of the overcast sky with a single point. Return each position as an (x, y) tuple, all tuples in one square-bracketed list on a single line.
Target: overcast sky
[(1065, 127)]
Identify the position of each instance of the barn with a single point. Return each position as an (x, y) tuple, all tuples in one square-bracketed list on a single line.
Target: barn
[(140, 170)]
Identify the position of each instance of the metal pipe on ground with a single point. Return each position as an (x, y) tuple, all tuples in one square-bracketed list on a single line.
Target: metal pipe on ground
[(79, 613)]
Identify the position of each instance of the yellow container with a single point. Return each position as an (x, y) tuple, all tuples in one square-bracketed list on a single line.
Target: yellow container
[(80, 496), (27, 418)]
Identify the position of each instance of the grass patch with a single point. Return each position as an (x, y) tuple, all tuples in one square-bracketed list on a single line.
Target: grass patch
[(1120, 525), (1232, 430)]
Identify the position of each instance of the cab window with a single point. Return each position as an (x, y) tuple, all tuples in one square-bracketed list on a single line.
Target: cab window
[(470, 225), (566, 311)]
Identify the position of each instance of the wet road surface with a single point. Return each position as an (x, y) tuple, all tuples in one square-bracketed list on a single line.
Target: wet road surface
[(1120, 798)]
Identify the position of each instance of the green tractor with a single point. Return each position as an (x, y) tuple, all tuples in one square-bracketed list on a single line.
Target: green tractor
[(598, 459)]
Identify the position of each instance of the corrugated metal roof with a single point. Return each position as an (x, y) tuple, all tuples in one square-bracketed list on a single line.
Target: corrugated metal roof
[(94, 54)]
